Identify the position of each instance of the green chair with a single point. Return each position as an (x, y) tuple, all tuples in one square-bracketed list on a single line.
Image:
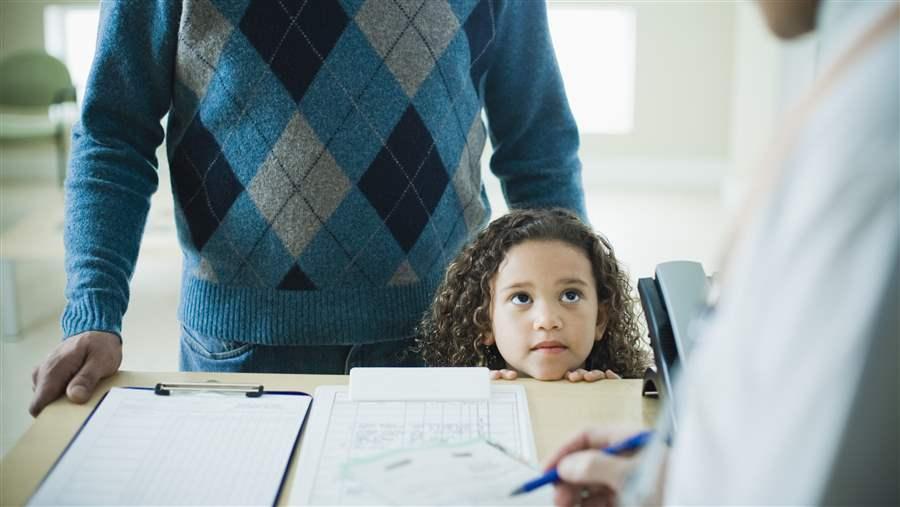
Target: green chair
[(30, 83)]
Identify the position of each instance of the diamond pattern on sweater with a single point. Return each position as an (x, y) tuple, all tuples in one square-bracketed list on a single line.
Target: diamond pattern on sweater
[(373, 115), (404, 275), (206, 186), (296, 279), (354, 224), (205, 271), (251, 108), (383, 22), (447, 102), (294, 37), (299, 186), (351, 6), (405, 199), (328, 262), (467, 177), (204, 32), (387, 77), (440, 241), (410, 36), (349, 71), (235, 239), (479, 28), (436, 24), (267, 263)]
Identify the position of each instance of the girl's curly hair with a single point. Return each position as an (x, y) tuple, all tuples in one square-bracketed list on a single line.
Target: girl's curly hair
[(453, 330)]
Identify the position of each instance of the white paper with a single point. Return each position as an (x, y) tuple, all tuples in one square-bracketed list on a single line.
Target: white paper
[(139, 448), (470, 473), (340, 430), (423, 384)]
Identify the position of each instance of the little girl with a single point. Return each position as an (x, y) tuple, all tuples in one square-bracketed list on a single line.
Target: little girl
[(536, 293)]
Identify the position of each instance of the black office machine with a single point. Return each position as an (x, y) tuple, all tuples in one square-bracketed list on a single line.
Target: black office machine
[(671, 301)]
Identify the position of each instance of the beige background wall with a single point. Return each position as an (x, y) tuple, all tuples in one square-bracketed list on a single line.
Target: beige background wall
[(683, 83), (21, 25)]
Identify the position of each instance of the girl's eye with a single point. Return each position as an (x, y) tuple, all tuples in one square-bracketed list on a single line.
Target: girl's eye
[(521, 299), (571, 296)]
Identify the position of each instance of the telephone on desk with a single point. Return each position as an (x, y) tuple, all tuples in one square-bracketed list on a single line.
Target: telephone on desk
[(671, 301)]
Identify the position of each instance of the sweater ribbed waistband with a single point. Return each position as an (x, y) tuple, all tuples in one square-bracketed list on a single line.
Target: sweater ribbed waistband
[(322, 317)]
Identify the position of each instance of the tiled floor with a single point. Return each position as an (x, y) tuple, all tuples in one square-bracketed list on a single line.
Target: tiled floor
[(646, 226)]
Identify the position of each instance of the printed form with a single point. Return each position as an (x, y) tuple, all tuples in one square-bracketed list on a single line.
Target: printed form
[(400, 409), (139, 448)]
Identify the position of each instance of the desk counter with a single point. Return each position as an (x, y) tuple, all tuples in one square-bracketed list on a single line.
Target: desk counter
[(558, 409)]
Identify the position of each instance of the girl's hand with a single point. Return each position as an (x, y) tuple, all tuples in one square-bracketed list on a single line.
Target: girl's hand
[(590, 376), (504, 374)]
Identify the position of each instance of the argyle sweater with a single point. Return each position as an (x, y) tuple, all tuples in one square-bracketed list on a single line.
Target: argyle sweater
[(324, 156)]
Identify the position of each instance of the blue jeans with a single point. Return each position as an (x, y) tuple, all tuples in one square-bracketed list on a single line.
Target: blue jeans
[(203, 353)]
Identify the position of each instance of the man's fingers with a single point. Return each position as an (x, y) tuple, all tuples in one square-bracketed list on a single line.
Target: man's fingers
[(74, 368), (53, 376), (82, 385), (99, 364), (44, 393)]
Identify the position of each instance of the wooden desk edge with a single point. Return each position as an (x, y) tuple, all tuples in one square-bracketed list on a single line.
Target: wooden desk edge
[(26, 464)]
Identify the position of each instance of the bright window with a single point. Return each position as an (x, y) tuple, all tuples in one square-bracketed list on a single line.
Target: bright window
[(70, 34), (595, 48)]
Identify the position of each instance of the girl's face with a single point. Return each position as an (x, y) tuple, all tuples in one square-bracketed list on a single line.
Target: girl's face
[(545, 315)]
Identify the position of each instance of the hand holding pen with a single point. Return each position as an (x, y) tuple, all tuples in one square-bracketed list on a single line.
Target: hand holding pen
[(586, 472)]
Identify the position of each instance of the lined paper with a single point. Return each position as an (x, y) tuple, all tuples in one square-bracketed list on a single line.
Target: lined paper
[(139, 448), (469, 473), (341, 430)]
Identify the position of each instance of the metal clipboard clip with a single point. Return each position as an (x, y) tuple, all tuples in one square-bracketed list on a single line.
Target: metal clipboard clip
[(250, 390)]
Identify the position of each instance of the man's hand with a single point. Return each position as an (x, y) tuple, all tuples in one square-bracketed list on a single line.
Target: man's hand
[(75, 367), (588, 476)]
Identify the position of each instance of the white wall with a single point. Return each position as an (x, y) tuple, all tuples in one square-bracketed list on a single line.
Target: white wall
[(684, 80), (770, 77)]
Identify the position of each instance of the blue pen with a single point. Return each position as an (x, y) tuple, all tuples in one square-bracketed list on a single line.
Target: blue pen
[(552, 476)]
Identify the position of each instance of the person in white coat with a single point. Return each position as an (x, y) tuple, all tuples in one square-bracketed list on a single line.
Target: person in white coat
[(792, 393)]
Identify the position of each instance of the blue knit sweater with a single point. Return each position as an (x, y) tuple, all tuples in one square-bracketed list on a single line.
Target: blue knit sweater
[(324, 156)]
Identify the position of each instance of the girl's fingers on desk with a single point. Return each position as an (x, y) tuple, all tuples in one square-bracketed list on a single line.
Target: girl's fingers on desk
[(576, 375), (594, 375), (612, 375), (504, 374)]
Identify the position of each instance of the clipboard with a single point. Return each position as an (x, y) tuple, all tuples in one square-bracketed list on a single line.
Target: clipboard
[(180, 443)]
